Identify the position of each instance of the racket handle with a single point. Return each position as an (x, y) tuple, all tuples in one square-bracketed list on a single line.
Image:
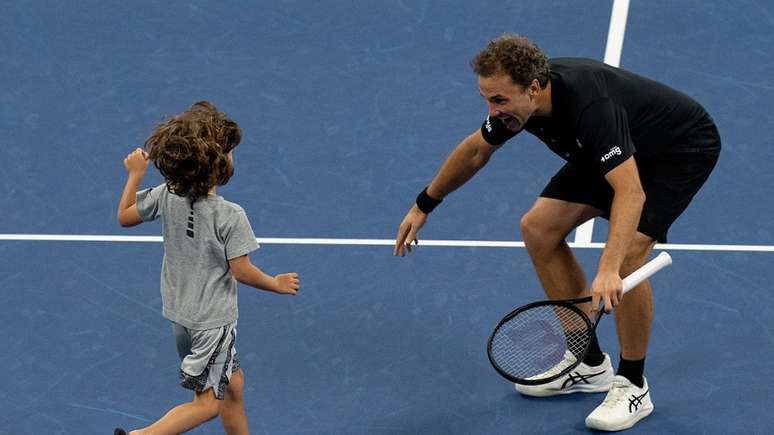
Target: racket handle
[(647, 270)]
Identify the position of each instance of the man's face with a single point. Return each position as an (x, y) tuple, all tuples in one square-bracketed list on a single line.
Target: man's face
[(507, 101)]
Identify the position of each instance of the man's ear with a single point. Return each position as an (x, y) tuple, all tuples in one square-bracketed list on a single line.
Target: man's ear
[(534, 88)]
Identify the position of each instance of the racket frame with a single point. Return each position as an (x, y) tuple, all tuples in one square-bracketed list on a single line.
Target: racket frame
[(572, 305)]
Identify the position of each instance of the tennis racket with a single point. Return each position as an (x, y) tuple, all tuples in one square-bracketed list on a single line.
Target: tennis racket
[(539, 342)]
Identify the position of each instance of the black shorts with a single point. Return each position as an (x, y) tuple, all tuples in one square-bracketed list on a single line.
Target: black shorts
[(670, 181)]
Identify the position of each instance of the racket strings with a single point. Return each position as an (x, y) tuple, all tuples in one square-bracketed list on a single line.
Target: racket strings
[(540, 342)]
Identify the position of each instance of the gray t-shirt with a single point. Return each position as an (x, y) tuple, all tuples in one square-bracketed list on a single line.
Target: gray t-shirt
[(198, 290)]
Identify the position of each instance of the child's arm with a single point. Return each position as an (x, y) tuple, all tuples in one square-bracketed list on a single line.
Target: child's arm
[(245, 272), (136, 163)]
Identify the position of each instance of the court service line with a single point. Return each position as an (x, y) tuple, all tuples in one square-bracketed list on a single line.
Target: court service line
[(376, 242), (613, 49)]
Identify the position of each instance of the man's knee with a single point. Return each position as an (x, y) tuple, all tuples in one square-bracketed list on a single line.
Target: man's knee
[(537, 230), (549, 221)]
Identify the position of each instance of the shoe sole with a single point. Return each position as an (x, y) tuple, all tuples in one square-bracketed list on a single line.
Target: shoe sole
[(571, 390), (628, 425)]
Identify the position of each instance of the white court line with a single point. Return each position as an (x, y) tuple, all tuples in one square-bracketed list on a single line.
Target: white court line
[(613, 49), (375, 242), (615, 33)]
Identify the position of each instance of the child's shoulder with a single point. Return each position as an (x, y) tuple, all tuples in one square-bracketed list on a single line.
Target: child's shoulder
[(230, 208), (230, 205)]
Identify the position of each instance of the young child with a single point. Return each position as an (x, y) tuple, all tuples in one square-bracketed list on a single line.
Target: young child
[(206, 245)]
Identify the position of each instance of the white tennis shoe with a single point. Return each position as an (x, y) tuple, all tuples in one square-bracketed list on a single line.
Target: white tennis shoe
[(582, 379), (624, 405)]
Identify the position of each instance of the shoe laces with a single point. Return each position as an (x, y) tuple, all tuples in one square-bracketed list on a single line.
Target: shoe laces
[(569, 359), (617, 394)]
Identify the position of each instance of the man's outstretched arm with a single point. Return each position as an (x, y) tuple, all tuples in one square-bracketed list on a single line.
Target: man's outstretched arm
[(461, 165)]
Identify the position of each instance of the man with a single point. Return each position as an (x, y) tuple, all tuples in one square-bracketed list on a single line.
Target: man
[(637, 151)]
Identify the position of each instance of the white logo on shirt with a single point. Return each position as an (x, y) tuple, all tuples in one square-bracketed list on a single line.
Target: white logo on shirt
[(615, 151)]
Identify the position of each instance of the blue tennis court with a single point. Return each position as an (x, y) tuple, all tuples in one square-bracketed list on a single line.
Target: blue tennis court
[(348, 109)]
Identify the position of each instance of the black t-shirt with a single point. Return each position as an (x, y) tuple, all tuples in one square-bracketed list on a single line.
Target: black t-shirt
[(602, 115)]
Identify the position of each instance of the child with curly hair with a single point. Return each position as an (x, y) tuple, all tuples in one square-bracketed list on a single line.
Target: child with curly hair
[(207, 241)]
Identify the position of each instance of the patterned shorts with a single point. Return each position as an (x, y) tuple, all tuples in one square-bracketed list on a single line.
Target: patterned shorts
[(209, 357)]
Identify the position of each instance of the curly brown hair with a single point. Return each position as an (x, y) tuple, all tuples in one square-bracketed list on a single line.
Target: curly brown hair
[(191, 150), (514, 55)]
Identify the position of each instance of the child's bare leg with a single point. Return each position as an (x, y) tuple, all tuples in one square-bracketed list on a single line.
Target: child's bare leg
[(232, 409), (184, 417)]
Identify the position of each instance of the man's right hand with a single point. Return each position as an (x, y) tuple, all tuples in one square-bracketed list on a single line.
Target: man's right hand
[(407, 232)]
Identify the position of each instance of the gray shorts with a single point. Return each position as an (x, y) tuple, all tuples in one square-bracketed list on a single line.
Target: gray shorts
[(209, 357)]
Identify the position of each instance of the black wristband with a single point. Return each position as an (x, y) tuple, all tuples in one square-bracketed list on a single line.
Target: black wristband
[(427, 203)]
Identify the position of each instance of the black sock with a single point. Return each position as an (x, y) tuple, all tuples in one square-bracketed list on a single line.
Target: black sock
[(594, 356), (632, 370)]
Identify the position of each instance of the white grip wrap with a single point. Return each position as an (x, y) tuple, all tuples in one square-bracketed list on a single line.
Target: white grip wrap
[(647, 270)]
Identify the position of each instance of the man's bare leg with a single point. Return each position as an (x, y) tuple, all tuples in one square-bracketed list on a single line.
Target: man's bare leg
[(544, 229), (634, 315)]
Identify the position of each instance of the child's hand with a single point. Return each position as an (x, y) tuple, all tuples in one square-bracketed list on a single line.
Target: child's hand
[(136, 162), (287, 283)]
